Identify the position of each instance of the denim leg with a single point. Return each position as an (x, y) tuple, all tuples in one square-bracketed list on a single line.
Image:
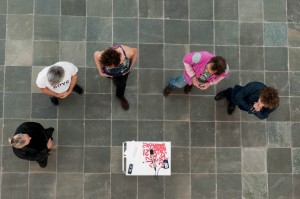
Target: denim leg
[(177, 82)]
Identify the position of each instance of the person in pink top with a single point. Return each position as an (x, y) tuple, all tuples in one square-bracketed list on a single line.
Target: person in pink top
[(201, 69)]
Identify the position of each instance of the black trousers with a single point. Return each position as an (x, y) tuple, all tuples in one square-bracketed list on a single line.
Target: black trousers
[(120, 84)]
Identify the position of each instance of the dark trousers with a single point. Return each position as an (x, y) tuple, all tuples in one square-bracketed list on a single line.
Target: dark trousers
[(120, 84), (228, 92)]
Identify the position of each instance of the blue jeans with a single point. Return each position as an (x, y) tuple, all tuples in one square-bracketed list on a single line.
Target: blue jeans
[(177, 82)]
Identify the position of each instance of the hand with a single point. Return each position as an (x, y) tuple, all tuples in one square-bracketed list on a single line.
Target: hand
[(196, 82), (104, 75), (65, 94), (49, 143), (205, 86), (257, 107)]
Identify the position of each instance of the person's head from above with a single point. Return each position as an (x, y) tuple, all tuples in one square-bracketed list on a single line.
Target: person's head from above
[(268, 97), (217, 65), (55, 75), (110, 58), (19, 140)]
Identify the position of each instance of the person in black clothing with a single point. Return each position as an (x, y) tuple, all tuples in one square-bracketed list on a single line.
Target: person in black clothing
[(32, 142), (255, 98)]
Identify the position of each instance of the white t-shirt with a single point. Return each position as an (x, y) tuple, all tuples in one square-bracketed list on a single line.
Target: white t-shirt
[(63, 86)]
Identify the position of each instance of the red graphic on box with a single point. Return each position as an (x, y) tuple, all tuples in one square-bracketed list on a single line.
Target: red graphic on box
[(159, 153)]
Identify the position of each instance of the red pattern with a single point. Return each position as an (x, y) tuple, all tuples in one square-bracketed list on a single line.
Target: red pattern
[(159, 153)]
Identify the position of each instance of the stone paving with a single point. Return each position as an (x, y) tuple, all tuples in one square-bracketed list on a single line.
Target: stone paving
[(213, 155)]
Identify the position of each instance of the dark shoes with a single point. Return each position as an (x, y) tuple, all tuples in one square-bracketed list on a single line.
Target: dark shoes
[(54, 101), (124, 103), (78, 89), (167, 91), (187, 88), (220, 95), (231, 108)]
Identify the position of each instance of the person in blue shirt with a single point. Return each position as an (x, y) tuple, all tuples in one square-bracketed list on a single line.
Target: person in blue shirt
[(255, 98)]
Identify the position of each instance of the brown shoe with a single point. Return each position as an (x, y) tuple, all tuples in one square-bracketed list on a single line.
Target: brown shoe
[(124, 103), (167, 91), (187, 88)]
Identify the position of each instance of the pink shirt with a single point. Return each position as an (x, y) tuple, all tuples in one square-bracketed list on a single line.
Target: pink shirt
[(194, 64)]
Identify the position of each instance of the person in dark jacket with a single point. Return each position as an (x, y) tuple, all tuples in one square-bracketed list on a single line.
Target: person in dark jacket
[(255, 98), (32, 142)]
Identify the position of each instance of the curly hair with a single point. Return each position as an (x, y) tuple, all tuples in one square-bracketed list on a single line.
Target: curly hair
[(269, 97), (110, 57), (219, 65)]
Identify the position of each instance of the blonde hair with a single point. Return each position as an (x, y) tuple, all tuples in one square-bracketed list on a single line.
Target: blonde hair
[(17, 141)]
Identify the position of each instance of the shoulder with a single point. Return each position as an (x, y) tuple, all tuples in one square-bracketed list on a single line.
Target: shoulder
[(258, 85), (129, 51)]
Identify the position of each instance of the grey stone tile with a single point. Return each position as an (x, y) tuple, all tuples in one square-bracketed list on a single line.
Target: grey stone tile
[(181, 112), (20, 7), (201, 32), (156, 191), (296, 160), (99, 29), (70, 127), (123, 131), (251, 76), (294, 62), (203, 134), (226, 33), (255, 186), (250, 10), (119, 113), (275, 10), (3, 6), (199, 47), (132, 83), (278, 80), (72, 28), (230, 81), (282, 113), (11, 163), (119, 35), (231, 54), (14, 185), (125, 8), (221, 113), (151, 50), (228, 134), (182, 181), (47, 7), (151, 30), (279, 134), (73, 52), (150, 107), (69, 186), (253, 134), (100, 8), (150, 130), (97, 186), (2, 52), (46, 27), (296, 184), (9, 127), (275, 34), (203, 160), (123, 186), (15, 108), (97, 133), (1, 101), (177, 133), (180, 159), (203, 186), (226, 10), (176, 31), (151, 9), (150, 81), (71, 107), (173, 56), (97, 106), (276, 59), (22, 77), (293, 11), (69, 160), (1, 133), (247, 61), (293, 35), (280, 186), (91, 47), (97, 160), (279, 160), (73, 7), (229, 186), (295, 134), (116, 159), (176, 9), (251, 34), (95, 83), (42, 185), (42, 107), (201, 108), (201, 9), (2, 26), (51, 166), (228, 160), (294, 83), (45, 53), (19, 27), (254, 160), (18, 53)]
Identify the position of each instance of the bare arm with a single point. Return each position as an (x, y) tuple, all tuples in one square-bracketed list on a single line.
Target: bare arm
[(49, 92), (97, 56), (131, 53)]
